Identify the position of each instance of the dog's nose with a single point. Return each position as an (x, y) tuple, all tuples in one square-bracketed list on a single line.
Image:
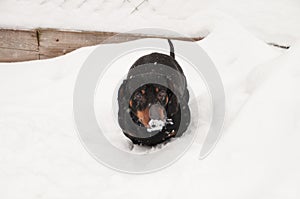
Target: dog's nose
[(157, 112)]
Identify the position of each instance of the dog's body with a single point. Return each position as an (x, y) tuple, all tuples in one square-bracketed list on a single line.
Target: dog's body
[(155, 102)]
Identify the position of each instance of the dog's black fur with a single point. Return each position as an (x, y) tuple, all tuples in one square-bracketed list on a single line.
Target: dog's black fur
[(156, 94)]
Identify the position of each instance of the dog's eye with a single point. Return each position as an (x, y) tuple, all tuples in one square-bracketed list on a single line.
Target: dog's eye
[(138, 96), (162, 94)]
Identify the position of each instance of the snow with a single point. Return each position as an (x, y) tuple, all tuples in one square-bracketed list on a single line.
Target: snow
[(156, 125), (273, 21), (257, 157)]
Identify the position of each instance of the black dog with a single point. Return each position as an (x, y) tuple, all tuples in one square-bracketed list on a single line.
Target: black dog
[(154, 105)]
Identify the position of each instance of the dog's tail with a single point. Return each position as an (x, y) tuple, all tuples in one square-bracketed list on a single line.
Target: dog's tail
[(172, 54)]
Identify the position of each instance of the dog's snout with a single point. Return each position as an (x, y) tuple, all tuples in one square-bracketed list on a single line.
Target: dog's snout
[(157, 112)]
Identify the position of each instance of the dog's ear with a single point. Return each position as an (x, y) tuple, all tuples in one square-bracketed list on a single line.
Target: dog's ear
[(122, 104), (172, 106), (186, 96), (122, 90)]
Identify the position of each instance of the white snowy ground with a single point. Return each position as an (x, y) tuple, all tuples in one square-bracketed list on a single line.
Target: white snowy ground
[(274, 21), (257, 157)]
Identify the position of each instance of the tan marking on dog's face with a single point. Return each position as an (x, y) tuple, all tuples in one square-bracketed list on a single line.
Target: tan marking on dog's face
[(143, 91), (161, 113), (144, 117), (173, 133), (167, 99), (156, 89)]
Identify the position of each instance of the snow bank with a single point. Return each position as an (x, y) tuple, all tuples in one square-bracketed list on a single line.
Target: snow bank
[(257, 157), (271, 20)]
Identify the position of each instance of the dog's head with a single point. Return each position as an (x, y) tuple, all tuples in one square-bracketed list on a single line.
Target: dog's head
[(152, 101)]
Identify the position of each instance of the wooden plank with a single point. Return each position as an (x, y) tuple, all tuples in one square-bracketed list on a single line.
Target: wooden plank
[(20, 45), (53, 42), (18, 39), (23, 45), (15, 55)]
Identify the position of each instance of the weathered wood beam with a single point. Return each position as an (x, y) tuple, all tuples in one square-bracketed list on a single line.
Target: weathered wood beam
[(18, 45), (23, 45)]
